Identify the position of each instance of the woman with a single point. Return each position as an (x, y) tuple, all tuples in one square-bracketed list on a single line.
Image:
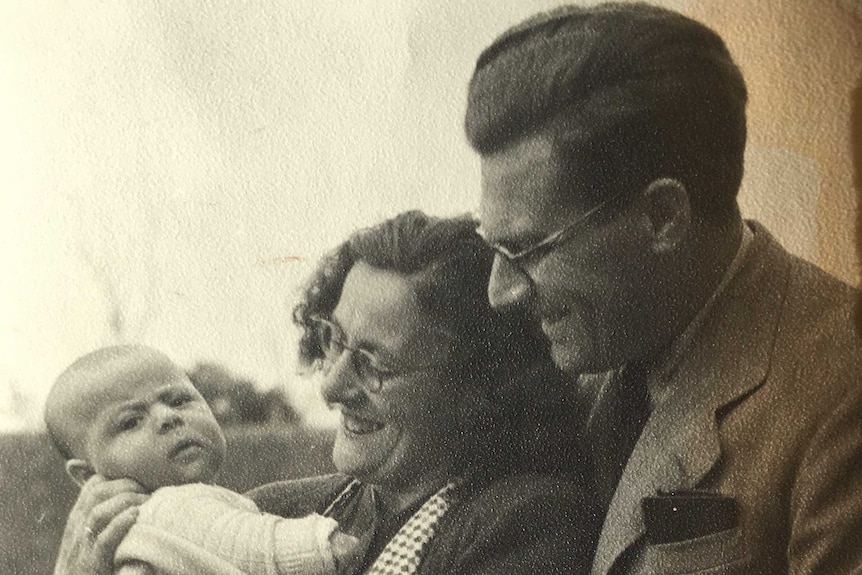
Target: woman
[(426, 377)]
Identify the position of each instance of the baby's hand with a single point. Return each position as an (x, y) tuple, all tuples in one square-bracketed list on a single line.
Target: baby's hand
[(102, 515), (350, 545), (348, 551)]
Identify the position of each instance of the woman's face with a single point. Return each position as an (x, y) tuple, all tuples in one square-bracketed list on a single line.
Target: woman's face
[(405, 433)]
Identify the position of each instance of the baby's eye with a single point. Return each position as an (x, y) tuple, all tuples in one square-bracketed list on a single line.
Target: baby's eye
[(129, 423), (180, 400)]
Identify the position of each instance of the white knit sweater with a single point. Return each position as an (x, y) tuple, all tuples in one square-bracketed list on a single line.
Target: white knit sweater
[(197, 528)]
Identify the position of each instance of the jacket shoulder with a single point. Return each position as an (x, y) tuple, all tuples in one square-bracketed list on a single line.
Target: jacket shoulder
[(298, 497), (815, 336)]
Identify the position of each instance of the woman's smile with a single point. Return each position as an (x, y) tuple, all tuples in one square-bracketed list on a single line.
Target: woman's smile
[(398, 433), (358, 425)]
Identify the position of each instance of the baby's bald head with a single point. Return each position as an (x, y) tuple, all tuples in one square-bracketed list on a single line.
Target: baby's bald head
[(129, 411), (85, 387)]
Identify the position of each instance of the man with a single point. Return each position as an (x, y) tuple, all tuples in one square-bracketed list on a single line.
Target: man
[(725, 375)]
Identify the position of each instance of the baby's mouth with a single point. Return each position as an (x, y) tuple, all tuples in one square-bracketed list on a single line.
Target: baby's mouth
[(185, 446)]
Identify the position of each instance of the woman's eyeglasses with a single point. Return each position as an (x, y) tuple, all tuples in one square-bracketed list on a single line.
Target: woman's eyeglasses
[(372, 371)]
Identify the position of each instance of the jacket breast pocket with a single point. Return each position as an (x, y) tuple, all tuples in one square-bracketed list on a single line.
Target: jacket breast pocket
[(721, 553)]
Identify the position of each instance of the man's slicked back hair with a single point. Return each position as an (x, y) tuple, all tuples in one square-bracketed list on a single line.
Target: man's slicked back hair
[(628, 93)]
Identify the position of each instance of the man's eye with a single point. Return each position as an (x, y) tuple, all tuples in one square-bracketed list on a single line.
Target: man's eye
[(510, 248), (513, 246)]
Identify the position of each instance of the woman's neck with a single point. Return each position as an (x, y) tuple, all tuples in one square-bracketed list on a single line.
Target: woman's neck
[(394, 504), (393, 501)]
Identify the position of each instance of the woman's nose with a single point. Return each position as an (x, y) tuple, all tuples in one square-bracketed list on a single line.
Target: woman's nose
[(341, 383), (167, 418), (508, 285)]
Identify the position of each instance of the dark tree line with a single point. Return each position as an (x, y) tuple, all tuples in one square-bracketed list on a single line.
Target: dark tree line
[(237, 401)]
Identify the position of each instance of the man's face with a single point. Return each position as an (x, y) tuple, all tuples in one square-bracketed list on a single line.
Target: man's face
[(589, 291)]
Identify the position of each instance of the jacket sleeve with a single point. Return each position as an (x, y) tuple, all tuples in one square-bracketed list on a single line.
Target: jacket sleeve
[(826, 511), (519, 525), (298, 497)]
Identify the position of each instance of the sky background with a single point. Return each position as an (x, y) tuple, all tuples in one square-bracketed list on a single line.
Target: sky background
[(187, 163)]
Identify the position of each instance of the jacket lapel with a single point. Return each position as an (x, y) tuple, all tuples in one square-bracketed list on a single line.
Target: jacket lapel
[(728, 359)]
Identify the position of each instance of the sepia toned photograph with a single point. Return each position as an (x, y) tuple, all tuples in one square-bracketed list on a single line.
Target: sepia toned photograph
[(456, 287)]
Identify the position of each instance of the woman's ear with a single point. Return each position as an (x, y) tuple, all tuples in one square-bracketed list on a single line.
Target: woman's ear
[(668, 208), (79, 470)]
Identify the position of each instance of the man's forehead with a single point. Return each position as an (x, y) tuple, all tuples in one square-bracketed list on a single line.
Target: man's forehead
[(520, 189)]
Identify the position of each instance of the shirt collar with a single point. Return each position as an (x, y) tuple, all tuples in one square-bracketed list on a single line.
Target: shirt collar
[(659, 378)]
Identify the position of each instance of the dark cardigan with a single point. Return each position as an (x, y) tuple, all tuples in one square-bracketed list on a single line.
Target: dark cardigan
[(522, 524)]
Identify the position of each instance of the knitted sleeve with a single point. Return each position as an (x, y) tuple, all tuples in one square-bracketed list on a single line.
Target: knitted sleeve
[(208, 529)]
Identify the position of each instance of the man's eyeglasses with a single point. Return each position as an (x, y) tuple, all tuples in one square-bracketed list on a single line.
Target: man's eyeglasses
[(372, 371), (519, 259)]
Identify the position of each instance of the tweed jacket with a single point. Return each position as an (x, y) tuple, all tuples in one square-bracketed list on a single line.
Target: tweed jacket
[(764, 410), (523, 524)]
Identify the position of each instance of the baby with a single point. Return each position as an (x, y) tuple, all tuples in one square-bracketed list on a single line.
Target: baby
[(129, 411)]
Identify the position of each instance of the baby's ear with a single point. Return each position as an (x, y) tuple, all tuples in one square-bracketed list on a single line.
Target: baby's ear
[(79, 470)]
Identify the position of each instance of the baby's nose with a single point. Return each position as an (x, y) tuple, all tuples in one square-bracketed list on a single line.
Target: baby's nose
[(168, 419)]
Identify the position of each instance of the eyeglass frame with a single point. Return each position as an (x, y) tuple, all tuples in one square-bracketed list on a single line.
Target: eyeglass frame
[(378, 376), (554, 240)]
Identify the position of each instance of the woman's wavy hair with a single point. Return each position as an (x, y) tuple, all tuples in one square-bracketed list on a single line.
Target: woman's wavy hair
[(503, 359), (448, 266)]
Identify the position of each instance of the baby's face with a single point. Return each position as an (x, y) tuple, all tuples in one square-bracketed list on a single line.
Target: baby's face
[(153, 426)]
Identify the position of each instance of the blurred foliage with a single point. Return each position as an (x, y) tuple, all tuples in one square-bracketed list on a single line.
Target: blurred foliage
[(238, 401)]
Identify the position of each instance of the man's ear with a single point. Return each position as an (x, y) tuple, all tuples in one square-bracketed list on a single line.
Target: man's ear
[(79, 470), (668, 209)]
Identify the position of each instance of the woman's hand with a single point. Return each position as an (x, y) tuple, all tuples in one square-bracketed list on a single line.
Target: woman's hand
[(102, 515)]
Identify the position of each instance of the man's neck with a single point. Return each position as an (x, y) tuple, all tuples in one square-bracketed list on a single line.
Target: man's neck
[(713, 250), (666, 361), (719, 246)]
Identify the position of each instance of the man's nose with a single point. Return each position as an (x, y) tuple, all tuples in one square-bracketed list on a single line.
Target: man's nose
[(508, 285), (167, 418), (341, 383)]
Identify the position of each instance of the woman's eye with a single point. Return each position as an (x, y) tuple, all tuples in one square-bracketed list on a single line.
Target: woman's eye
[(373, 372), (373, 368)]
